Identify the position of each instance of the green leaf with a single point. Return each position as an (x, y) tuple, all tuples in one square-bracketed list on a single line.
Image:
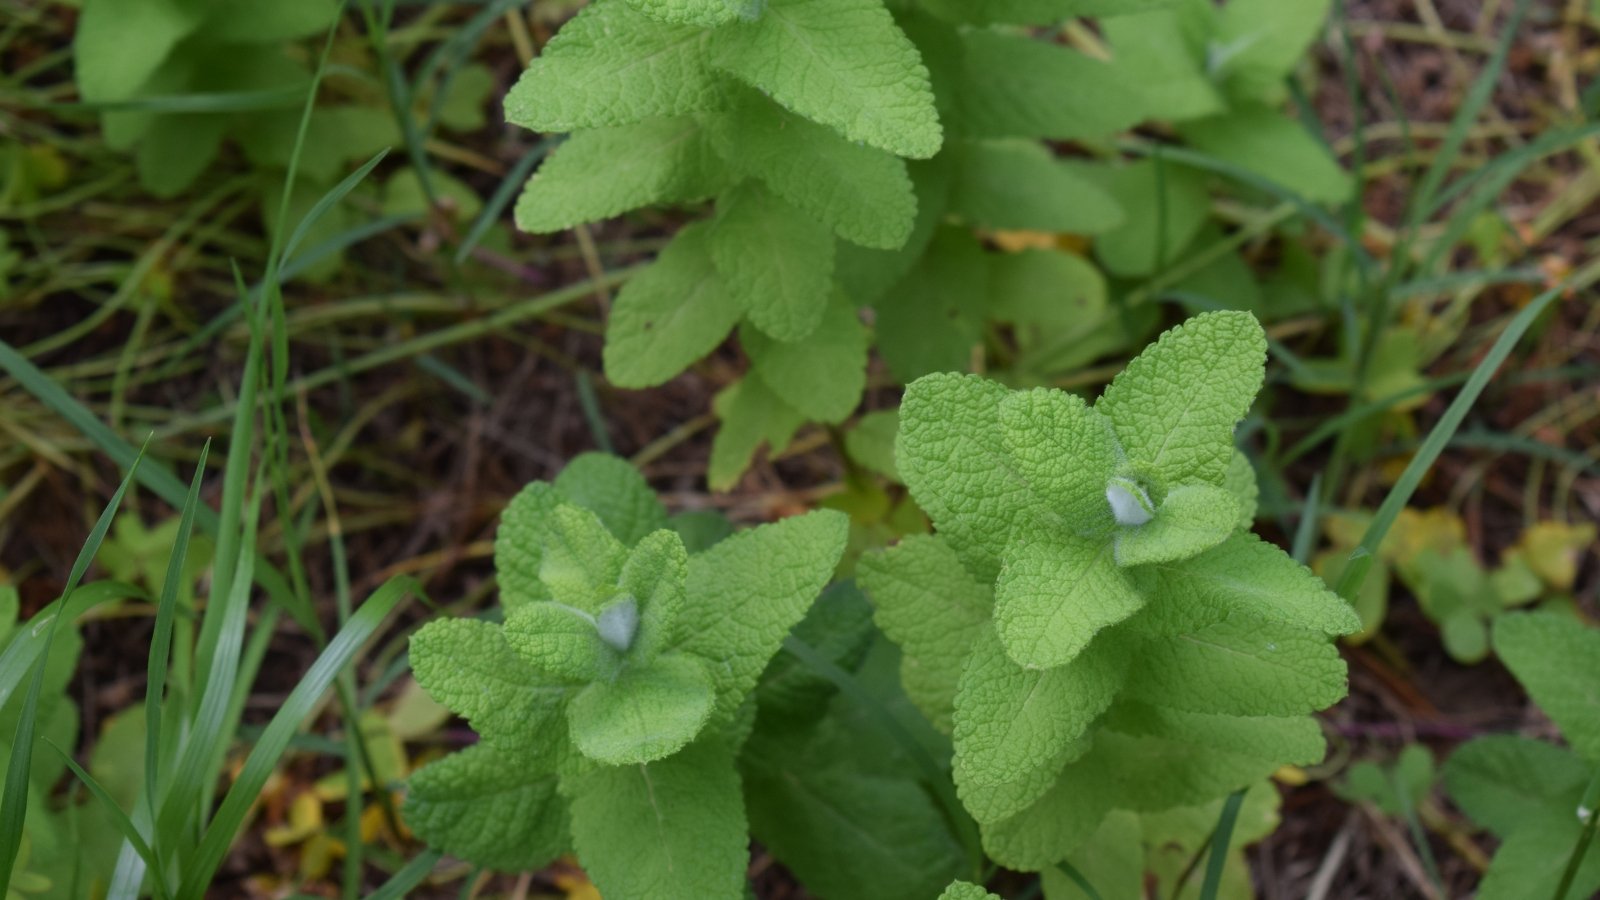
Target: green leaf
[(613, 65), (1037, 12), (1163, 56), (519, 544), (862, 193), (821, 375), (932, 319), (669, 315), (616, 492), (1248, 575), (1193, 518), (582, 561), (559, 642), (870, 444), (865, 274), (951, 452), (1010, 720), (928, 604), (604, 172), (645, 714), (267, 23), (751, 415), (842, 63), (1159, 758), (1506, 782), (1066, 816), (1173, 205), (1240, 481), (776, 261), (1242, 667), (1277, 148), (654, 576), (1112, 860), (110, 66), (1259, 42), (673, 829), (489, 808), (1529, 863), (1011, 86), (469, 667), (1055, 593), (1065, 451), (1018, 184), (703, 13), (1175, 406), (966, 890), (1558, 664), (746, 592)]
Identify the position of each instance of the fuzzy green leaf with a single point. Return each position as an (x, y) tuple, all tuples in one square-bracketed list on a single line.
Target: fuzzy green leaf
[(821, 375), (966, 890), (1175, 406), (1239, 666), (110, 66), (1011, 86), (1557, 661), (746, 592), (1529, 864), (1261, 41), (560, 642), (951, 452), (1246, 574), (612, 65), (669, 315), (1059, 821), (702, 13), (604, 172), (582, 560), (1018, 184), (645, 714), (863, 193), (654, 576), (775, 261), (1055, 593), (751, 415), (1065, 450), (842, 63), (616, 492), (1010, 720), (469, 667), (1193, 518), (929, 605), (673, 829), (519, 544), (1506, 782), (489, 808)]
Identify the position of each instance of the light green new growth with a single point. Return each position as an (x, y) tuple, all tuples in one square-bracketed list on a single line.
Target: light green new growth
[(1145, 653), (614, 687)]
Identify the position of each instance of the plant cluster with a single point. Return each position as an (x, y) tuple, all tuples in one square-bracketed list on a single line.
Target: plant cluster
[(1092, 621), (613, 699), (851, 147)]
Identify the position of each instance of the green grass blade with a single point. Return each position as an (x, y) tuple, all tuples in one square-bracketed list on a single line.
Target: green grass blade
[(16, 661), (1220, 839), (1360, 562), (14, 803), (328, 201), (1077, 878), (275, 739), (161, 639), (401, 883), (118, 817), (502, 195), (209, 102)]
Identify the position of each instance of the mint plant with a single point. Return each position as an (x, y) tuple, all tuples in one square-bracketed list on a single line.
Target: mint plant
[(613, 700), (1539, 798), (1092, 621), (851, 147)]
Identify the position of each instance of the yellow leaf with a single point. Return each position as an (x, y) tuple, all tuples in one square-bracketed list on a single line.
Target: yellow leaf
[(1553, 550), (305, 820), (1293, 776)]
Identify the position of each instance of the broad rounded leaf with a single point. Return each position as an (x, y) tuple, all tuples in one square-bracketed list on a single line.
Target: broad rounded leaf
[(645, 714), (776, 261), (488, 808), (1193, 518), (468, 666), (1055, 593), (1065, 450), (669, 315)]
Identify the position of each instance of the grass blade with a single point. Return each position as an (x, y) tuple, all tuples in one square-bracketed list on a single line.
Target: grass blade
[(1076, 877), (118, 817), (1220, 839), (327, 201), (407, 878), (14, 803), (1360, 562), (502, 195), (275, 739)]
